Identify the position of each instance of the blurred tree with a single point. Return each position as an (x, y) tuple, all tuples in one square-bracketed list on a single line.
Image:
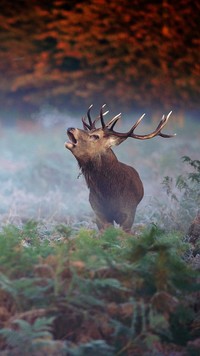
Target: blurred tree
[(92, 50)]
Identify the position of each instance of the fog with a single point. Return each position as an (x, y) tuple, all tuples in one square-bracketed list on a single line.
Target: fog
[(39, 177)]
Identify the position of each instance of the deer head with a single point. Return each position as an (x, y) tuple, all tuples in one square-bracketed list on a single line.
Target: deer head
[(92, 141)]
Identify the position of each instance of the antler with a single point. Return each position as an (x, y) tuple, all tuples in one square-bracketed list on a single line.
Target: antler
[(91, 125), (110, 125), (156, 132)]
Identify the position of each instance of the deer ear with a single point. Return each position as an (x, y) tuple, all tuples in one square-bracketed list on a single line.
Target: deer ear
[(115, 140)]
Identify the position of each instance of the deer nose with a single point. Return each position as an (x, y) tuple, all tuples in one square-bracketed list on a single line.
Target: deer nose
[(70, 129)]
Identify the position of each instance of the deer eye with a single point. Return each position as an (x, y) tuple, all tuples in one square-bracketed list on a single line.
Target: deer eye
[(94, 137)]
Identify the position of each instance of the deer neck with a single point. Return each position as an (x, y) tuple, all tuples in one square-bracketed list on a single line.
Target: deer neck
[(98, 167)]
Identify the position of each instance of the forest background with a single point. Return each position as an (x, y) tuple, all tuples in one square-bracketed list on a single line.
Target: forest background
[(129, 54)]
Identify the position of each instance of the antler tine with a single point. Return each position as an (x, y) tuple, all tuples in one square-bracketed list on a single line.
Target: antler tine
[(113, 121), (106, 112), (98, 118), (91, 124), (101, 117), (164, 135), (161, 124), (85, 125), (169, 114), (136, 124), (88, 114)]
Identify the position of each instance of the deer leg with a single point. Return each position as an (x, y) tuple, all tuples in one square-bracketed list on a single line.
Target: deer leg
[(103, 217), (125, 220), (102, 222)]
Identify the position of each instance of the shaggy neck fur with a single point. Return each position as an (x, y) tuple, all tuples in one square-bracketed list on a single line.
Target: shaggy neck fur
[(98, 168)]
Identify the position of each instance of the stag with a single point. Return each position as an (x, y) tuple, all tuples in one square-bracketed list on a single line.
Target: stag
[(115, 188)]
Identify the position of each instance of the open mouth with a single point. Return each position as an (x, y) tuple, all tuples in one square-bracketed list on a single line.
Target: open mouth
[(72, 139)]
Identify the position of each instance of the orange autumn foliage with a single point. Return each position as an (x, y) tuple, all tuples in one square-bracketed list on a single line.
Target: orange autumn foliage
[(143, 54)]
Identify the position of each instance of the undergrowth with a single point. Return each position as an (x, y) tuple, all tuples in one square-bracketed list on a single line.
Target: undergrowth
[(184, 194), (181, 200), (68, 290), (82, 293)]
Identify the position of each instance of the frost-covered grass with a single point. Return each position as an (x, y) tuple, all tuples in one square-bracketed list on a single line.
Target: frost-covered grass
[(38, 176)]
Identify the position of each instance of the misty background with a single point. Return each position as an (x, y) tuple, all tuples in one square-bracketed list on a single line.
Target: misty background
[(57, 58)]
